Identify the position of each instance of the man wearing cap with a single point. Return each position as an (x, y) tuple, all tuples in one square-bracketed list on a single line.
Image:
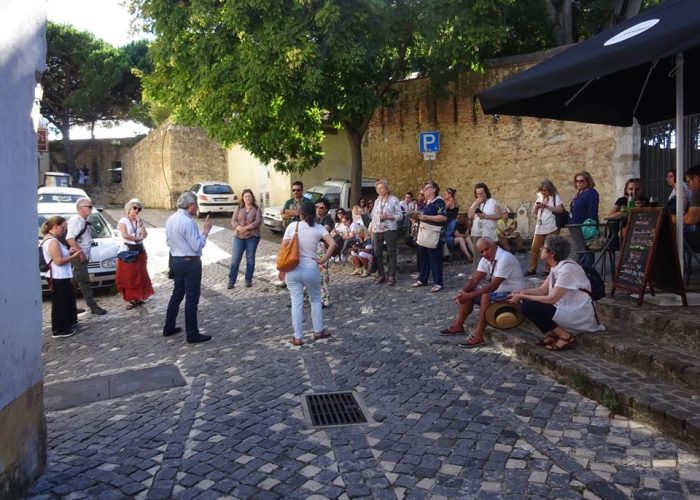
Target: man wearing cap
[(500, 273), (79, 239)]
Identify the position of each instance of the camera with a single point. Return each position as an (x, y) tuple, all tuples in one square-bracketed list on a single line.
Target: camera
[(478, 211)]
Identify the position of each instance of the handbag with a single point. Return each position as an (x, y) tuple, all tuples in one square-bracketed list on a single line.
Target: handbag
[(561, 218), (589, 229), (428, 235), (128, 256), (288, 256)]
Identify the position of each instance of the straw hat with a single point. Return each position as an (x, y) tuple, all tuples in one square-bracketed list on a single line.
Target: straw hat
[(504, 315)]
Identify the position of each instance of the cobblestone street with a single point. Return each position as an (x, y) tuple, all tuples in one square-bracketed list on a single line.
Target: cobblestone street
[(445, 422)]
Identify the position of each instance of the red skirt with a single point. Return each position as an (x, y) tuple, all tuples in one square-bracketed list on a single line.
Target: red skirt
[(133, 281)]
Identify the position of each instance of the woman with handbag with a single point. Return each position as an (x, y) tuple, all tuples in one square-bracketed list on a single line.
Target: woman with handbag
[(430, 241), (132, 278), (306, 235), (64, 314), (583, 207), (547, 205), (245, 222)]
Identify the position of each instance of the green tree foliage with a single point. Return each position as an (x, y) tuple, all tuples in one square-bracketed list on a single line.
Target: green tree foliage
[(272, 75), (86, 80)]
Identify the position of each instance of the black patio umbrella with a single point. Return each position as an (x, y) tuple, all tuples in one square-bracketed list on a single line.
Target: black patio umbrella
[(636, 69)]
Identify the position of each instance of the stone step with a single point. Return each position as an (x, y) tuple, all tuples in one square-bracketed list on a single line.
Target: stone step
[(672, 408)]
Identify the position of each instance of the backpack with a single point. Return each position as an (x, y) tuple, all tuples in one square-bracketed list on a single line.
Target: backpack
[(597, 284)]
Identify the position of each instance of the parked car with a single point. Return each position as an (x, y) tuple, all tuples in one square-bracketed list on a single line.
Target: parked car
[(60, 194), (336, 191), (214, 197), (103, 255), (57, 179)]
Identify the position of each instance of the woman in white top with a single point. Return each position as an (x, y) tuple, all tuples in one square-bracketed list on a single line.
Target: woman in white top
[(547, 204), (562, 306), (306, 274), (132, 278), (64, 314), (484, 213), (385, 216)]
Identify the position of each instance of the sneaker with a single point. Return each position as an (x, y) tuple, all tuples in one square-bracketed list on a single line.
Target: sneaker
[(197, 338), (98, 310), (471, 343), (343, 258), (230, 285), (175, 331), (451, 331), (364, 274), (65, 333), (248, 284)]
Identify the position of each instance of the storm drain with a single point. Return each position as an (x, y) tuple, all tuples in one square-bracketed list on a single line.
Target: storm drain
[(333, 409)]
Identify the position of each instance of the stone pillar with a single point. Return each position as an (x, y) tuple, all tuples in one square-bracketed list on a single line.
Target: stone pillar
[(22, 423)]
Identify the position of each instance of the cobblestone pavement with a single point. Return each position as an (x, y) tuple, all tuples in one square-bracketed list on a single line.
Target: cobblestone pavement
[(447, 423)]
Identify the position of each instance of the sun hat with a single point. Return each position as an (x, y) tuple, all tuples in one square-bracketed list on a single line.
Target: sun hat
[(504, 315)]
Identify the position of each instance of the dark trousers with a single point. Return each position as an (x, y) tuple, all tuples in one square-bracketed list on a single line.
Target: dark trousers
[(81, 278), (188, 282), (540, 314), (63, 311), (390, 237), (430, 262)]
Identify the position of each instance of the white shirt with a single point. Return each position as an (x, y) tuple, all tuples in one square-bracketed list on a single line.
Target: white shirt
[(75, 225), (387, 206), (575, 310), (57, 271), (182, 235), (546, 223), (505, 266), (484, 227), (132, 229), (309, 236)]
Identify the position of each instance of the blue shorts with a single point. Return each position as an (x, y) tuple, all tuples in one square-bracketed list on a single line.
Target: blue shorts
[(495, 297)]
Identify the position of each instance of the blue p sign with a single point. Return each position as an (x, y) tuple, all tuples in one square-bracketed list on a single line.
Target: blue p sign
[(429, 142)]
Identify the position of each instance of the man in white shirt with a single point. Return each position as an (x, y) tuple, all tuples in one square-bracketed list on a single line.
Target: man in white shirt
[(79, 238), (502, 273)]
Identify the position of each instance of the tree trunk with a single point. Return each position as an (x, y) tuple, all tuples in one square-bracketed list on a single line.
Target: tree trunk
[(566, 22), (355, 140), (65, 139), (633, 8), (553, 18)]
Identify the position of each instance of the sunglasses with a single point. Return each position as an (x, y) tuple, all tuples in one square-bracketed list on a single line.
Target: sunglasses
[(580, 180), (296, 190), (86, 206), (138, 209)]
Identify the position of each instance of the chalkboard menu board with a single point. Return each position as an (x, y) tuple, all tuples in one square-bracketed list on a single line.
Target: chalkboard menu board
[(648, 255)]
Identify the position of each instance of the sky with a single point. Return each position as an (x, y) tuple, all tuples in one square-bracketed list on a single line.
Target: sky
[(110, 21)]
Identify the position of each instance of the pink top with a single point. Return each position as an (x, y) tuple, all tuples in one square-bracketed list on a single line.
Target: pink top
[(245, 217)]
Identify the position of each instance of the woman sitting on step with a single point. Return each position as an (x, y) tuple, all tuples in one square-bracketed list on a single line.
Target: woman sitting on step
[(562, 306)]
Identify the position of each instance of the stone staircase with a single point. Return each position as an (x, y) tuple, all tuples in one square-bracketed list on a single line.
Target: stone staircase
[(646, 366)]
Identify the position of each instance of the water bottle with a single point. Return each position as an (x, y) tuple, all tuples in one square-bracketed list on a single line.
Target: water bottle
[(630, 203)]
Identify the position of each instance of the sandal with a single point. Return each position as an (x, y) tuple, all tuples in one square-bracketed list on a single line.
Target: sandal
[(131, 305), (296, 342), (417, 284), (436, 288), (547, 340), (559, 346), (323, 335)]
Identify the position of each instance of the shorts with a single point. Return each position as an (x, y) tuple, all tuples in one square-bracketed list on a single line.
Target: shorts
[(495, 297)]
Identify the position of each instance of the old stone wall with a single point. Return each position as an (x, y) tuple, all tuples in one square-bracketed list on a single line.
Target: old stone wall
[(168, 161), (510, 154)]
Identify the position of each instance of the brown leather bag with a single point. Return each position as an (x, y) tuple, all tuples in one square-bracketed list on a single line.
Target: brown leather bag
[(288, 256)]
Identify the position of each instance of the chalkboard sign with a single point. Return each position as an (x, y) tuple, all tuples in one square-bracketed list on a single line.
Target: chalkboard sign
[(649, 255)]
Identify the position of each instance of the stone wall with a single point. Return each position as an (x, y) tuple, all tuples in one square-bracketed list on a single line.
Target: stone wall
[(22, 423), (168, 161), (510, 154)]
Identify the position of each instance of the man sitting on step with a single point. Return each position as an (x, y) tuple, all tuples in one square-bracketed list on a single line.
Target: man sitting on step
[(500, 273)]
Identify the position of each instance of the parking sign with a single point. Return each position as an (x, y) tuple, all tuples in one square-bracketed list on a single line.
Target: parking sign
[(429, 142)]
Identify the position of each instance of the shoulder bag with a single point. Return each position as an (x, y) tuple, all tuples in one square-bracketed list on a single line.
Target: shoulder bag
[(288, 256), (428, 235)]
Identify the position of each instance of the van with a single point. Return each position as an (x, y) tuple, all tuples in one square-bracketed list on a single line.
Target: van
[(336, 191)]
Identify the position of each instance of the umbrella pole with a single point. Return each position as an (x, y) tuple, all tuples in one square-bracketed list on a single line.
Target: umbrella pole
[(680, 149)]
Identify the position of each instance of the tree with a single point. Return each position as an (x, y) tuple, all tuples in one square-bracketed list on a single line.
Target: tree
[(86, 80), (272, 75)]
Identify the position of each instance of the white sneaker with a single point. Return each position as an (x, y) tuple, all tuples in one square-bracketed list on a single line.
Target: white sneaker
[(343, 258)]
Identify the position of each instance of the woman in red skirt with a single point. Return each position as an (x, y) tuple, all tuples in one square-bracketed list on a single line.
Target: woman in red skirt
[(133, 281)]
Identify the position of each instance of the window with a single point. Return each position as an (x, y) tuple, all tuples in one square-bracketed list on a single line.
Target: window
[(217, 189), (116, 172)]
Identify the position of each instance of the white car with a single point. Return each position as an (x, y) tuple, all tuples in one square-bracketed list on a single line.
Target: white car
[(214, 197), (60, 194), (103, 255)]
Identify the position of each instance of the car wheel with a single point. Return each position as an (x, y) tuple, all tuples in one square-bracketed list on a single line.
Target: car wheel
[(200, 214)]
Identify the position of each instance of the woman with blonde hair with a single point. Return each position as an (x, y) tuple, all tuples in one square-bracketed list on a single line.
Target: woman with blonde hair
[(385, 216), (132, 278), (64, 314)]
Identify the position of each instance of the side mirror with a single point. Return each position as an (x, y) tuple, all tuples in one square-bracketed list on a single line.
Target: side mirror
[(100, 209)]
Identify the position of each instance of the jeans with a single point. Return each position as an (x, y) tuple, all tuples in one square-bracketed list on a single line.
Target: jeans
[(81, 278), (249, 246), (296, 280), (188, 283), (379, 238), (430, 262)]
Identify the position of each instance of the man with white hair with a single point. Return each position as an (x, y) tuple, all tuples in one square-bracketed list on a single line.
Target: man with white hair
[(502, 274), (79, 239), (186, 242)]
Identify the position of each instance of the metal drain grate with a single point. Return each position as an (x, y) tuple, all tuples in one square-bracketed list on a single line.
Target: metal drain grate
[(333, 408)]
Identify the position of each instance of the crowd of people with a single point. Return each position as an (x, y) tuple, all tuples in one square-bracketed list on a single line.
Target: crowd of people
[(367, 237)]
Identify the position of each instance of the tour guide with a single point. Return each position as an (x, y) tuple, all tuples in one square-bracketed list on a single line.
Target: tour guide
[(186, 242)]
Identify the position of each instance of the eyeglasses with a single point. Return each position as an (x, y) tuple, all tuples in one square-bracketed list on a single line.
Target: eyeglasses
[(321, 207), (580, 180), (138, 209), (86, 206), (296, 190)]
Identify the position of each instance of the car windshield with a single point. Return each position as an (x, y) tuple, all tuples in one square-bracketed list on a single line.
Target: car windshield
[(98, 226), (58, 198), (313, 196), (217, 189)]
